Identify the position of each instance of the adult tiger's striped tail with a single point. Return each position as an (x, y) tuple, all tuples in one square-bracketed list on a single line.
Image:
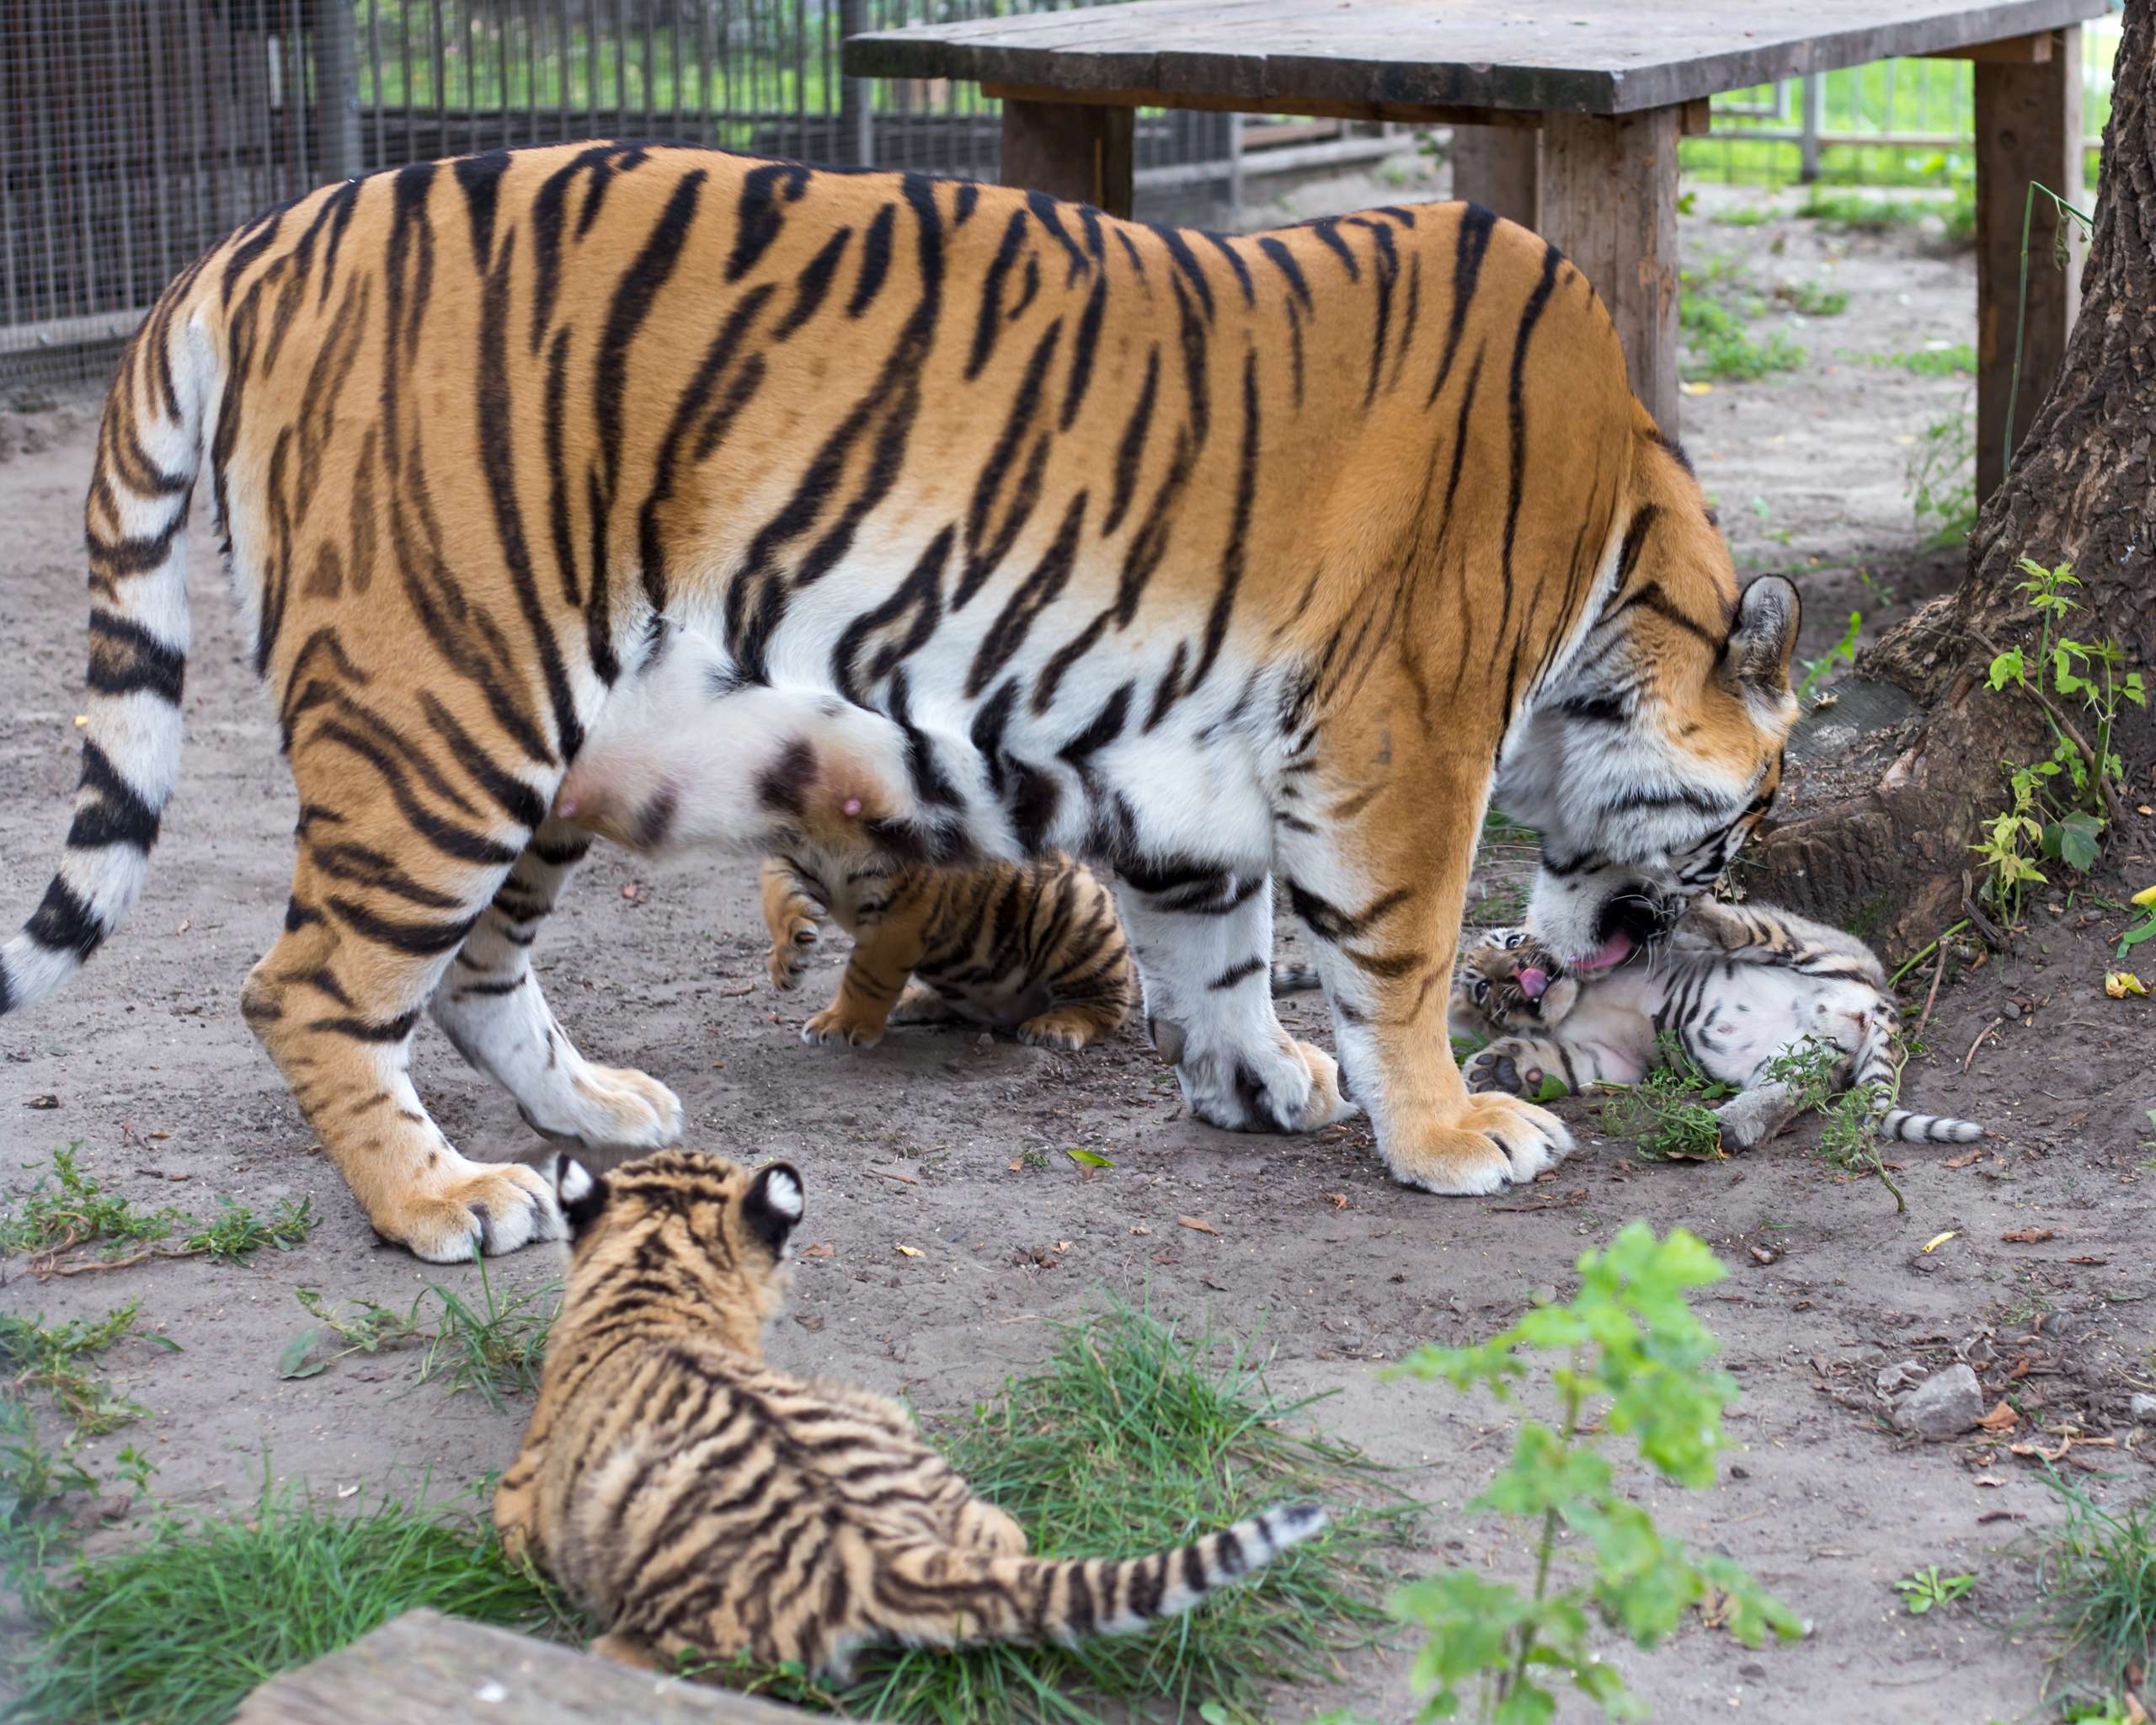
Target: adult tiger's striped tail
[(149, 450), (1878, 1067)]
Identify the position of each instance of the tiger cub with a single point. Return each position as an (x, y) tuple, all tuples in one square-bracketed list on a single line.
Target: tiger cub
[(695, 1502), (1737, 986), (1035, 945)]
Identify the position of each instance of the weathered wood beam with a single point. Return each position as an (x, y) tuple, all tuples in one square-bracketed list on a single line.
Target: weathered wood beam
[(1316, 107), (1071, 150)]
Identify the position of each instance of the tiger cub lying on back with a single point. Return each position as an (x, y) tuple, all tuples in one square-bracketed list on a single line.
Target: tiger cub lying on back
[(695, 1502), (1736, 987)]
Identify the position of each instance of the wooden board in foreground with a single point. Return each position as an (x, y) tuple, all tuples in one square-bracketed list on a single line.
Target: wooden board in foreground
[(424, 1669)]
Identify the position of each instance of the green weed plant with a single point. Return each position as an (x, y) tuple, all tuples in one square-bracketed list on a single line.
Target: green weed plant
[(2095, 1573), (1940, 478), (67, 1211), (1629, 1359)]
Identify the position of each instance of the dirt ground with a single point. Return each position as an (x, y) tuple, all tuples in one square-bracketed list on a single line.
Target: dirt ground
[(929, 1141)]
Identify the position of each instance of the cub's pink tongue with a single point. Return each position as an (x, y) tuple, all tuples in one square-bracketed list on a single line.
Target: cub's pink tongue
[(1620, 946), (1532, 982)]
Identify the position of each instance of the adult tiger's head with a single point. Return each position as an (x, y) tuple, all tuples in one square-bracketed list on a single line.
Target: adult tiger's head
[(713, 1235), (1646, 762)]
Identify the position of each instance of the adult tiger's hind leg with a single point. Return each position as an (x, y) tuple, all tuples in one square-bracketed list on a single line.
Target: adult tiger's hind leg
[(488, 1004), (376, 912), (1205, 951)]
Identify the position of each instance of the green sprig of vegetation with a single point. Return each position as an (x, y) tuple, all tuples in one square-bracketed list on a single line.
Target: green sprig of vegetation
[(1667, 1113), (54, 1360), (1629, 1359), (66, 1209), (2096, 1586)]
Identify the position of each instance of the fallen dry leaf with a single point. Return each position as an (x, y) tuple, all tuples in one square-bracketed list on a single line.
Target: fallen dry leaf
[(1987, 1479), (910, 1251), (1338, 1200), (1141, 1231), (186, 923), (1015, 1163), (2040, 1452), (1063, 1246), (42, 1102), (1198, 1223), (1761, 1254), (825, 1250), (2119, 984), (1963, 1161), (2001, 1418), (2099, 1261), (2136, 1714), (2026, 1236), (1162, 1257)]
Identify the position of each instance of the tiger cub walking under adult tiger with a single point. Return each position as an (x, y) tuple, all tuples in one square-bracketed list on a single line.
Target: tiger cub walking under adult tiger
[(695, 1502), (1737, 986)]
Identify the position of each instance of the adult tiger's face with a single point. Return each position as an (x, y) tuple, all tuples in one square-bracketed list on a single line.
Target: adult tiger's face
[(1647, 765)]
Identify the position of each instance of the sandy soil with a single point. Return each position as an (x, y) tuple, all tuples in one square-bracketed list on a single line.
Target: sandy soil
[(928, 1142)]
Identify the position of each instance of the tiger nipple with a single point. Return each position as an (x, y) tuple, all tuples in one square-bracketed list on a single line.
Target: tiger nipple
[(852, 806)]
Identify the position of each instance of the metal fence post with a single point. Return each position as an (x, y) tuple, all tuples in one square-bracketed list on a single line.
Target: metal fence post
[(337, 92), (857, 139), (1813, 99)]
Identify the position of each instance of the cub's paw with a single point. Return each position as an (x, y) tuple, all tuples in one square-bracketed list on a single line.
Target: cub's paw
[(1328, 1102), (1493, 1142), (835, 1028), (462, 1207), (1284, 1087), (1510, 1064), (800, 934), (920, 1004), (1067, 1028)]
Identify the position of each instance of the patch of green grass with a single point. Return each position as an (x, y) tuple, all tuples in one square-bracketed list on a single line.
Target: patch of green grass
[(55, 1360), (33, 1480), (2096, 1584), (498, 1348), (1940, 479), (67, 1209), (1959, 360), (1714, 320), (1745, 216), (1808, 299), (178, 1629), (1847, 210), (1133, 1438)]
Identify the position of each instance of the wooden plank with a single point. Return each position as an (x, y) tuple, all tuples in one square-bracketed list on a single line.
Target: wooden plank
[(2028, 128), (1499, 168), (1319, 107), (1083, 152), (1590, 57), (1609, 205), (2014, 51), (424, 1668)]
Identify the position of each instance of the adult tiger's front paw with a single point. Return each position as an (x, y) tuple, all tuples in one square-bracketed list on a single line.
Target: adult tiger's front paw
[(1494, 1141), (835, 1028), (460, 1207)]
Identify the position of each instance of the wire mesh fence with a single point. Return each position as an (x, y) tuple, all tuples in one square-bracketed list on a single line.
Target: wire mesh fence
[(135, 134)]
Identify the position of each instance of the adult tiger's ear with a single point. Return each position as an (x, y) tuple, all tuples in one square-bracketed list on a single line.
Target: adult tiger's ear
[(773, 1205), (581, 1192), (1768, 614)]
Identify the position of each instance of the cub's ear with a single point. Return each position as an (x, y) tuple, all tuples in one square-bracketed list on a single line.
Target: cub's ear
[(582, 1194), (1765, 636), (773, 1205)]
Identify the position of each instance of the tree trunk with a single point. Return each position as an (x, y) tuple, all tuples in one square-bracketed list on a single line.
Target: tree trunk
[(1875, 825)]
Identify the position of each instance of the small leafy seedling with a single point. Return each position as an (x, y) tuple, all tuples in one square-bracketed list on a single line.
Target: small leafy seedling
[(67, 1209), (1927, 1588), (1630, 1359), (1667, 1111)]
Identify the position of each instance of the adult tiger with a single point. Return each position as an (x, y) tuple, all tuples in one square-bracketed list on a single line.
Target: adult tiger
[(1202, 556)]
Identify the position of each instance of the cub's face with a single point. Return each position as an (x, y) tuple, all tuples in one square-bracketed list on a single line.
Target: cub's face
[(1510, 981), (1646, 762), (715, 1236)]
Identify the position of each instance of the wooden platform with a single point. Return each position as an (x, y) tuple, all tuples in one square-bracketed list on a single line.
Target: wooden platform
[(424, 1669), (1566, 119)]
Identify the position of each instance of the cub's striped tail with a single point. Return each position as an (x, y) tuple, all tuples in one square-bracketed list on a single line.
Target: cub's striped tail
[(942, 1596), (1878, 1072), (149, 452), (1295, 978)]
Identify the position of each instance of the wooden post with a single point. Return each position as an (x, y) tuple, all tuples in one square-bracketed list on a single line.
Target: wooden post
[(1070, 150), (1609, 205), (2028, 128), (1499, 168)]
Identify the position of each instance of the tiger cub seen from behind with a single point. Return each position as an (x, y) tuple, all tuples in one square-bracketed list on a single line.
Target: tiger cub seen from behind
[(697, 1502), (1034, 946), (1737, 986)]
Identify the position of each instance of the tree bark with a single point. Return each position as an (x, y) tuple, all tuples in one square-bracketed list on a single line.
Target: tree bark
[(1874, 835)]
